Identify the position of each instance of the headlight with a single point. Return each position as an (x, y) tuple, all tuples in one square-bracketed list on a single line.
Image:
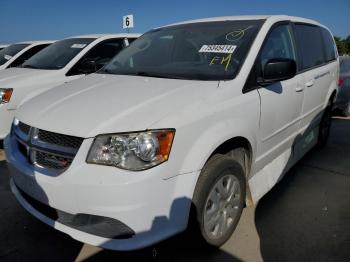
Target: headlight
[(132, 151), (5, 95)]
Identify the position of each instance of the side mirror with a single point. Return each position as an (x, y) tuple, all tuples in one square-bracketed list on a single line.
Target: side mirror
[(276, 70), (88, 67)]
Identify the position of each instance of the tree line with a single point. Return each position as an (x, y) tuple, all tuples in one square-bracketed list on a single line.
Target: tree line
[(343, 45)]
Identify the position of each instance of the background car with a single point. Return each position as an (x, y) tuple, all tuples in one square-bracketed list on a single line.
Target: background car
[(3, 46), (16, 54), (61, 62), (343, 100)]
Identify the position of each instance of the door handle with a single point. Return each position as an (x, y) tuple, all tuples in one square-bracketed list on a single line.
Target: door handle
[(299, 89), (310, 83)]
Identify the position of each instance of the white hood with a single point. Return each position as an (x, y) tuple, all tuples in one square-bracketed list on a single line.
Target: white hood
[(99, 104), (19, 76), (27, 83)]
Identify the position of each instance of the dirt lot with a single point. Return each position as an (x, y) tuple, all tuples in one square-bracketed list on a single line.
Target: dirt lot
[(306, 217)]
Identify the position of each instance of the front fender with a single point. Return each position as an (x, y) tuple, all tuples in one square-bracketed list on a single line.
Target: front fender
[(209, 140)]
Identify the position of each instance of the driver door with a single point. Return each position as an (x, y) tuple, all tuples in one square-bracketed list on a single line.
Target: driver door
[(281, 102)]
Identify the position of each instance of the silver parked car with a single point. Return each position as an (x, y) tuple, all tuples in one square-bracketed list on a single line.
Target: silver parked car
[(343, 101)]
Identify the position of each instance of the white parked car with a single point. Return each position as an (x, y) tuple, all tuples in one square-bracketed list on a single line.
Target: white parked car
[(62, 62), (16, 54), (194, 119), (3, 46)]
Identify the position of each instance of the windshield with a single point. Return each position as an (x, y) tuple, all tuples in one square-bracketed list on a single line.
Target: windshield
[(7, 53), (200, 51), (345, 66), (58, 55)]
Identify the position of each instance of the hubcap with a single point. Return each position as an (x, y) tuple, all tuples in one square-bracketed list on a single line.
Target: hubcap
[(222, 206)]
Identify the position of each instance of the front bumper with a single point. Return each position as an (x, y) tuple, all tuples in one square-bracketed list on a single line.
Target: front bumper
[(152, 205), (6, 118)]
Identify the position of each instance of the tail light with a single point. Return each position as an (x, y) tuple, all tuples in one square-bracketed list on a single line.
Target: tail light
[(341, 81)]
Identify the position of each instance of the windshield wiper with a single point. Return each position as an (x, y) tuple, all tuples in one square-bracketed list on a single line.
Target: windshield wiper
[(159, 75), (140, 73), (105, 71), (29, 66)]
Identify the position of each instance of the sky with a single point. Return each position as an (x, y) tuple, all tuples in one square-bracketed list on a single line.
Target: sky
[(22, 20)]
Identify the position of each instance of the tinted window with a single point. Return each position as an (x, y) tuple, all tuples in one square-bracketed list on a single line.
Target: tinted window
[(10, 51), (329, 45), (27, 54), (279, 44), (59, 54), (101, 54), (309, 45), (206, 51)]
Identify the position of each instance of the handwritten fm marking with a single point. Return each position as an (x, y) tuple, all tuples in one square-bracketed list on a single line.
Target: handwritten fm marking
[(224, 61)]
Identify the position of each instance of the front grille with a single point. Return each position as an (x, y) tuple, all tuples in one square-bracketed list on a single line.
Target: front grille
[(24, 128), (60, 140), (46, 150), (51, 161)]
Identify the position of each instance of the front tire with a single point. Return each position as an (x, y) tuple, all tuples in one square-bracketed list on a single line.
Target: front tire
[(219, 199)]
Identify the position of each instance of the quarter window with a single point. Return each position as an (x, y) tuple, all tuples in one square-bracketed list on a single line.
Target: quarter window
[(330, 46), (310, 45)]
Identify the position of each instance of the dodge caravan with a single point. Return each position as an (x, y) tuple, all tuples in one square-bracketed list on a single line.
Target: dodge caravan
[(182, 129), (63, 61)]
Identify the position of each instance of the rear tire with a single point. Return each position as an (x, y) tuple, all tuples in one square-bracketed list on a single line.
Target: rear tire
[(219, 199)]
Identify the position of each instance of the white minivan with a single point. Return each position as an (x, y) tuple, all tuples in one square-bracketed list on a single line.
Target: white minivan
[(192, 120), (16, 54), (61, 62)]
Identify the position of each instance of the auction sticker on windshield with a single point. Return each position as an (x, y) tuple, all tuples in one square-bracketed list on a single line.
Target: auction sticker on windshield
[(80, 46), (7, 57), (226, 49)]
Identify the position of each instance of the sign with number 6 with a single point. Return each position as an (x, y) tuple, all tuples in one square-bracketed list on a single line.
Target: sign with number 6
[(128, 21)]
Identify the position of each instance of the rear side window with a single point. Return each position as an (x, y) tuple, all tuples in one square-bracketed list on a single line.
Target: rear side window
[(329, 45), (101, 54), (310, 46)]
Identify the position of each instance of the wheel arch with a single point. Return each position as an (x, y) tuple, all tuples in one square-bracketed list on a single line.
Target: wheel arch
[(227, 147)]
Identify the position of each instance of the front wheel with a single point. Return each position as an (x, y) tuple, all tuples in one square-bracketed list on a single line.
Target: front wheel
[(219, 199)]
